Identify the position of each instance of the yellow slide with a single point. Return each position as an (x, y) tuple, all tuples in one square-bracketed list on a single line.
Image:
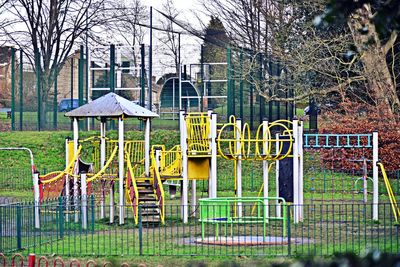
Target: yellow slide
[(393, 202)]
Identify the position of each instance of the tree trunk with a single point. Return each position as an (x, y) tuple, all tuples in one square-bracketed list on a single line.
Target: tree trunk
[(373, 56)]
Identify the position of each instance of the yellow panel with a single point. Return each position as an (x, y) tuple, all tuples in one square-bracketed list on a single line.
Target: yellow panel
[(198, 168), (70, 148)]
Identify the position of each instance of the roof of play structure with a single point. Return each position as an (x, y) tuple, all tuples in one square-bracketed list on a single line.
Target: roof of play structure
[(111, 105)]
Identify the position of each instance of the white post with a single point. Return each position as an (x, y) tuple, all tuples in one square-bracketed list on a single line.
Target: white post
[(102, 162), (84, 200), (238, 155), (301, 180), (278, 205), (37, 199), (375, 158), (209, 112), (265, 165), (296, 201), (147, 147), (67, 189), (121, 168), (89, 84), (213, 130), (184, 197), (76, 189)]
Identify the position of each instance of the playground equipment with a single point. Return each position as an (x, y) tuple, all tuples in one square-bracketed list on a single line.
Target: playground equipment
[(139, 172)]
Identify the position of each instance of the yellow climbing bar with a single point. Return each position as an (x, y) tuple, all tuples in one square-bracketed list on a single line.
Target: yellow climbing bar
[(233, 142), (68, 169), (392, 199), (133, 201), (108, 163), (198, 131)]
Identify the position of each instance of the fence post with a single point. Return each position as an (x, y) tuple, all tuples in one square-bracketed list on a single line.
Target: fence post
[(288, 231), (13, 89), (61, 216), (92, 209), (19, 226), (140, 231)]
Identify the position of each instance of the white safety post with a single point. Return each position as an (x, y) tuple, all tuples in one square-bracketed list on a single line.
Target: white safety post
[(76, 189), (301, 179), (278, 205), (375, 158), (184, 189), (296, 202), (209, 112), (265, 166), (238, 156), (67, 189), (147, 147), (84, 200), (121, 169), (37, 199), (102, 162), (213, 177)]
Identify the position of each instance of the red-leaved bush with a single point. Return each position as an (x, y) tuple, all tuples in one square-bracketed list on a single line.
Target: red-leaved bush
[(356, 118)]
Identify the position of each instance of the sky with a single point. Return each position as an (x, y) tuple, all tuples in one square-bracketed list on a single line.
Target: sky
[(190, 45)]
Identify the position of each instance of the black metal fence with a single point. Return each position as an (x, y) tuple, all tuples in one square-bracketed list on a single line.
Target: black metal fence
[(326, 229)]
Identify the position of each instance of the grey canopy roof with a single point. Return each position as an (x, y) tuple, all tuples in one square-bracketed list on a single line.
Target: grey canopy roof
[(111, 105)]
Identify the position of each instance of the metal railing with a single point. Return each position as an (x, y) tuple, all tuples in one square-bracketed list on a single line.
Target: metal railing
[(326, 229)]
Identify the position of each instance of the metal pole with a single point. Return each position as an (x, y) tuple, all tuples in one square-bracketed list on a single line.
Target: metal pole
[(151, 60), (21, 88), (261, 99), (102, 162), (80, 76), (121, 169), (265, 165), (76, 138), (229, 84), (184, 196), (201, 77), (55, 101), (37, 199), (72, 85), (213, 130), (241, 86), (13, 89), (238, 153), (142, 75), (38, 89), (296, 200), (375, 158), (112, 68), (84, 200), (147, 147)]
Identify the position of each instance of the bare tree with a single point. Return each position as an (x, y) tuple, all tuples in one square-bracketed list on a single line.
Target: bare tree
[(337, 58), (49, 30), (169, 39)]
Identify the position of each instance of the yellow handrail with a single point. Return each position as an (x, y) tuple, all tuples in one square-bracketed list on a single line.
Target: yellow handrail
[(66, 171), (135, 189), (159, 186), (101, 172), (392, 199)]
